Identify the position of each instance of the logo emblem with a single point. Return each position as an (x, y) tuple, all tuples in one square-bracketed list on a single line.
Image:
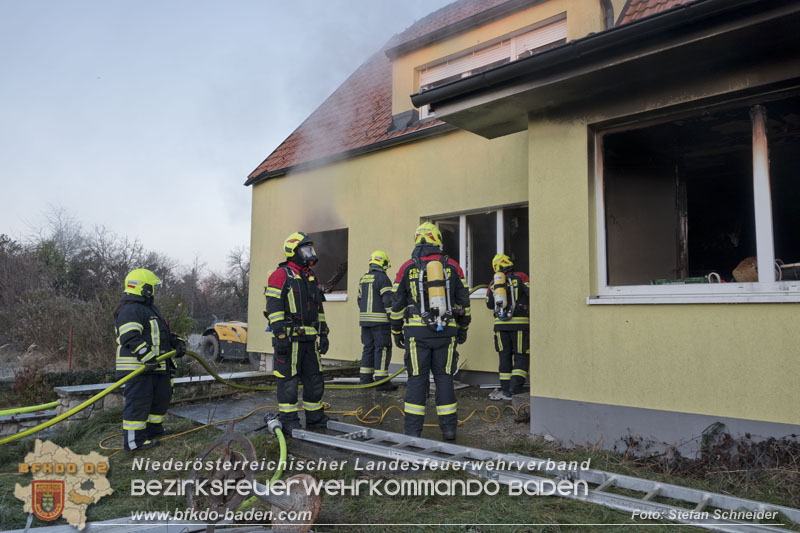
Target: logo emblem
[(48, 499)]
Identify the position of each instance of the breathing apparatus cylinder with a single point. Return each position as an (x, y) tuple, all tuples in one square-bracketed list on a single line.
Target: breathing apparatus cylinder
[(500, 294), (437, 297)]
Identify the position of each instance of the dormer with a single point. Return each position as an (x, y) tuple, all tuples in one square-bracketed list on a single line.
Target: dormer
[(495, 33)]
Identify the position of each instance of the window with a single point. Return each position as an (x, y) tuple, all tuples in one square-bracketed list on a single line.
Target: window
[(474, 238), (331, 248), (692, 206), (546, 34)]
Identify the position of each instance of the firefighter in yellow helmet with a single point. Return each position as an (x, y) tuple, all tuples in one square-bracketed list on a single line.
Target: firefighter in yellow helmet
[(142, 335), (430, 316), (299, 333), (374, 305), (508, 298)]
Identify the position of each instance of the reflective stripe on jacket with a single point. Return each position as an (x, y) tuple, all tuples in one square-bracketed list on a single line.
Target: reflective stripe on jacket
[(374, 297), (142, 335)]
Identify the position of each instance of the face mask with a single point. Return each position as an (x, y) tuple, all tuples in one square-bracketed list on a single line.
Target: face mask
[(307, 255)]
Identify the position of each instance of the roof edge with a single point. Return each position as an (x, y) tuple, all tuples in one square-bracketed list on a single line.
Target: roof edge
[(431, 131), (474, 21), (591, 46)]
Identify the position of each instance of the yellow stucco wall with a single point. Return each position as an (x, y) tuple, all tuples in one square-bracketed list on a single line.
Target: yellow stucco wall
[(583, 17), (380, 197), (734, 360)]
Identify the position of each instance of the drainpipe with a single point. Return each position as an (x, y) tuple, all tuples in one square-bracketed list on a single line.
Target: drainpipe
[(608, 13)]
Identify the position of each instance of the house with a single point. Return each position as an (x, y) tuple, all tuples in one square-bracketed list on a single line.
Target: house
[(630, 154)]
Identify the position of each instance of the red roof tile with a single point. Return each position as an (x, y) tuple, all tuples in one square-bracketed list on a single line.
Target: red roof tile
[(637, 9), (359, 112)]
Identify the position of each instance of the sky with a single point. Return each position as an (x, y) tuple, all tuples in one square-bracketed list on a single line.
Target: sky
[(146, 116)]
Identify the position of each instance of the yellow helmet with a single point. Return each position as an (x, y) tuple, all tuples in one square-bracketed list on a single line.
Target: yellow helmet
[(141, 282), (427, 232), (501, 262), (300, 248), (379, 257)]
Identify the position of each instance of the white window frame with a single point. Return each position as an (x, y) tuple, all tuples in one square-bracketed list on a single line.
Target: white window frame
[(510, 46), (465, 239), (765, 290)]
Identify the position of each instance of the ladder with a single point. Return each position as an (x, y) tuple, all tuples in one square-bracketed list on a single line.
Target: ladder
[(376, 442)]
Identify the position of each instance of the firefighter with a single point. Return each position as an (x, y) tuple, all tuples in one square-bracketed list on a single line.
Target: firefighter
[(430, 316), (508, 297), (142, 335), (297, 321), (374, 307)]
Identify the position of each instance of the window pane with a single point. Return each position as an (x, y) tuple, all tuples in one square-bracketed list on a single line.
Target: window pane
[(483, 228), (515, 236), (450, 236), (783, 137), (331, 248), (679, 199)]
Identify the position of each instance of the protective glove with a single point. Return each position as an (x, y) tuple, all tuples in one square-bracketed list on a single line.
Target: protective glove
[(399, 339), (178, 344), (282, 344), (323, 344), (461, 336)]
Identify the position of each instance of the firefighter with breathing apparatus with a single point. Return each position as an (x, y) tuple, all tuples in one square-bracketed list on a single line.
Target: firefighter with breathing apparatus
[(297, 321), (430, 315), (508, 297), (142, 335), (374, 306)]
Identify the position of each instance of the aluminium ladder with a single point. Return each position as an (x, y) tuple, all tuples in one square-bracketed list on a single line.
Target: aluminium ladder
[(391, 445)]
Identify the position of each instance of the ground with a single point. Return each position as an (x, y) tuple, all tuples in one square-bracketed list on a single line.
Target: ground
[(552, 514)]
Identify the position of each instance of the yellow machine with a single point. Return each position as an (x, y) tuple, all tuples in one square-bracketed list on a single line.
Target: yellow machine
[(227, 341)]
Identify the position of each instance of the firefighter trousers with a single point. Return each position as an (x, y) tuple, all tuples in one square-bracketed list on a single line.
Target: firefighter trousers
[(423, 356), (147, 398), (301, 365), (377, 353), (513, 348)]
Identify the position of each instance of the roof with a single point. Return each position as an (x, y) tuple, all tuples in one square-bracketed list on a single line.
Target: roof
[(638, 9), (359, 113)]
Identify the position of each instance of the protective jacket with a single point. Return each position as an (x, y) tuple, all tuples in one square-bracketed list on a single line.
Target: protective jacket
[(411, 289), (142, 335), (518, 287), (374, 297), (294, 302)]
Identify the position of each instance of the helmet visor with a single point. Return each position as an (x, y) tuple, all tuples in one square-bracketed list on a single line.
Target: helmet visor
[(306, 254)]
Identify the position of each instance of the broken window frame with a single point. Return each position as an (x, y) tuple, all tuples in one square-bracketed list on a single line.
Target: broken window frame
[(765, 290), (466, 245)]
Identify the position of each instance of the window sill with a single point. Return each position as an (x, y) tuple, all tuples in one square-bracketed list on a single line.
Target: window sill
[(336, 297), (694, 299)]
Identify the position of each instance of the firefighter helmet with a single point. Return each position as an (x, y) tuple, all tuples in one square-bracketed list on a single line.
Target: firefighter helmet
[(300, 248), (429, 233), (379, 257), (141, 282), (501, 262)]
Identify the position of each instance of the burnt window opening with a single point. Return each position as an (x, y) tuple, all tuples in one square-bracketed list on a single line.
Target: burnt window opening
[(331, 268), (679, 197)]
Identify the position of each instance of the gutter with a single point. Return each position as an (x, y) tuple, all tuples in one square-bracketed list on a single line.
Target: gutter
[(678, 20), (439, 129)]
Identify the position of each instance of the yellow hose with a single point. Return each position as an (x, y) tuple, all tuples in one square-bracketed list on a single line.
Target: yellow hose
[(29, 409), (84, 405)]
